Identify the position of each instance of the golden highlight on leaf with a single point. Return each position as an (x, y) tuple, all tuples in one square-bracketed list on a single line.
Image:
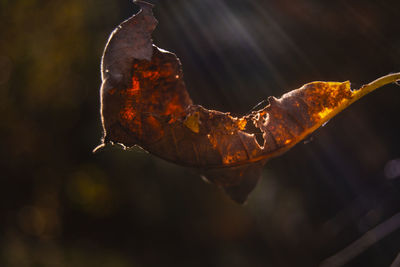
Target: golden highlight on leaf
[(192, 122), (145, 103)]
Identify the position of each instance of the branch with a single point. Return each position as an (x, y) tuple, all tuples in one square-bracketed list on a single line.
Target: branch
[(364, 242)]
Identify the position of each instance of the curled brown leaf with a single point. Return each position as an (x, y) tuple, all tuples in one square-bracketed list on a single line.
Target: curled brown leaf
[(144, 102)]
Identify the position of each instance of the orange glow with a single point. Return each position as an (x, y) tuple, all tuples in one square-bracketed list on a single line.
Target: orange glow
[(174, 108), (134, 90), (152, 75), (242, 124), (234, 157), (322, 114), (128, 114), (213, 140), (228, 159), (155, 126)]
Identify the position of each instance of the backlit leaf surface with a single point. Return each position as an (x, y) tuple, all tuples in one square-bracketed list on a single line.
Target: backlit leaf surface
[(145, 103)]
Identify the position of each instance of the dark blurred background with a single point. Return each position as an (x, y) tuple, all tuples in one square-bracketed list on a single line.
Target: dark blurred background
[(61, 205)]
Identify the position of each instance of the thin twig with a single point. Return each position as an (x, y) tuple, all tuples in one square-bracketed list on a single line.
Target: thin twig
[(363, 243), (396, 262)]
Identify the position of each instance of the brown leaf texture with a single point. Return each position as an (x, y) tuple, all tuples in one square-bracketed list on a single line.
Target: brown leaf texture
[(144, 102)]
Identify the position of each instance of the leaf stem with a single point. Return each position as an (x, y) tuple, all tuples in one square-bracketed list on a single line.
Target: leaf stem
[(372, 86)]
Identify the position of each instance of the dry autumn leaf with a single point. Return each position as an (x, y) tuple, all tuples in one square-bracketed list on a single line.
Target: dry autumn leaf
[(144, 102)]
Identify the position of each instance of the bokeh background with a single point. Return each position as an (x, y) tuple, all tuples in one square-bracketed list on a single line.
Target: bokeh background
[(61, 205)]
